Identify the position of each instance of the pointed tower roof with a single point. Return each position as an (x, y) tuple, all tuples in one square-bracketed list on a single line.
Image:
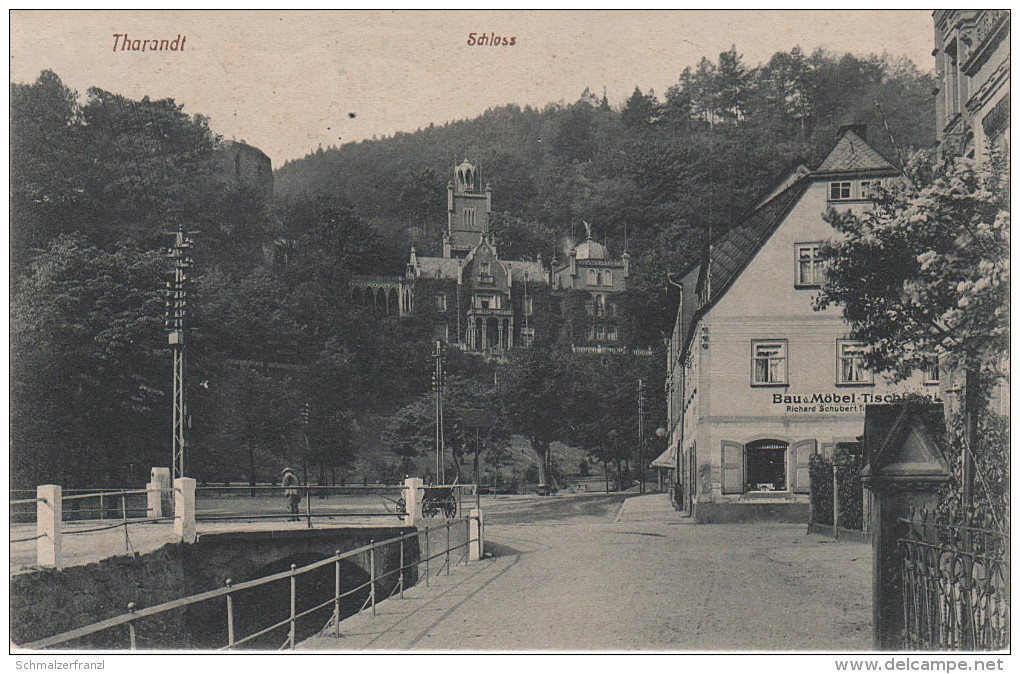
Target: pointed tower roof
[(852, 153)]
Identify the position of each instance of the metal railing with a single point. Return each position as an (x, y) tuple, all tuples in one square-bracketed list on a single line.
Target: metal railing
[(373, 588), (325, 502), (110, 508), (955, 584)]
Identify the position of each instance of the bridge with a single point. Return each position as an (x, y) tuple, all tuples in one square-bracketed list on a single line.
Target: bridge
[(110, 571)]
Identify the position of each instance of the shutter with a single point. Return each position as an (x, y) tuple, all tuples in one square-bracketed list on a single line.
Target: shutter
[(732, 467), (802, 452)]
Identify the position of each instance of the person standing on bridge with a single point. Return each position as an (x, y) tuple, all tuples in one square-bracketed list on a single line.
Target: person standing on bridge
[(290, 484)]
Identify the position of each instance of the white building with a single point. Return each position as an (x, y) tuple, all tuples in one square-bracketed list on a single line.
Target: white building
[(758, 381)]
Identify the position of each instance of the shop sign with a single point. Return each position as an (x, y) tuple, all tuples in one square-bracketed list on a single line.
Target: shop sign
[(829, 403)]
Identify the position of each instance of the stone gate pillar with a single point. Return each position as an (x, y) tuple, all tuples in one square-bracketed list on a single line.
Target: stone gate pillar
[(905, 469)]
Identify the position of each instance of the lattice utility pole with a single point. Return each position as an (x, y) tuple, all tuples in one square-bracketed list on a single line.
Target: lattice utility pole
[(437, 386), (176, 313)]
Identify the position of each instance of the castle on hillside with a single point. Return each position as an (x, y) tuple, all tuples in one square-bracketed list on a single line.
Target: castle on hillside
[(481, 303)]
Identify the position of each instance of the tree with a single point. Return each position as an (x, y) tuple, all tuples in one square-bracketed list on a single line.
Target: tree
[(923, 278), (925, 274), (88, 383)]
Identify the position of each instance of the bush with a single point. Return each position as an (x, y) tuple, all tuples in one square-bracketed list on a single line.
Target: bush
[(820, 470)]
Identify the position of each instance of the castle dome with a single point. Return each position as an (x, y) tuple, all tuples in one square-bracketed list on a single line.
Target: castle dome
[(591, 250)]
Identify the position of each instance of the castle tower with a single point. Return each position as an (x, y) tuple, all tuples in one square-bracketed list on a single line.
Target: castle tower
[(468, 210)]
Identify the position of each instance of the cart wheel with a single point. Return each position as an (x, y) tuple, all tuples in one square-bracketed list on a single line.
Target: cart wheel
[(450, 509)]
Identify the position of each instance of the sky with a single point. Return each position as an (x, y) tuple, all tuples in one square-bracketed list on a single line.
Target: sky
[(290, 82)]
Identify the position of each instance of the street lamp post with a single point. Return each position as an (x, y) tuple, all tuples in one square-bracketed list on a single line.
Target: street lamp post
[(437, 384), (641, 433)]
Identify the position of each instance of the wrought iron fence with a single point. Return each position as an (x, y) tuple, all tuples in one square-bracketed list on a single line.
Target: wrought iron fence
[(955, 583)]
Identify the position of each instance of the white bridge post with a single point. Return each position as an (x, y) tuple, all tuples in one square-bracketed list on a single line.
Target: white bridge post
[(184, 509), (48, 516), (412, 500), (156, 492), (477, 546)]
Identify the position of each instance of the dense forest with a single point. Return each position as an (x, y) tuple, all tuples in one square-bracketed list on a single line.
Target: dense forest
[(98, 183)]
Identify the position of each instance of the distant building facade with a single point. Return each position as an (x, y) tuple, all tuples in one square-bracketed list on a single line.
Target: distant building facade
[(484, 304), (972, 64), (757, 380)]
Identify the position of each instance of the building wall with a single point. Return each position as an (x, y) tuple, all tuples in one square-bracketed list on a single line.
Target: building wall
[(764, 304)]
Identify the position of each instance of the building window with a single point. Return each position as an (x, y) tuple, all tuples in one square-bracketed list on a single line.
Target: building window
[(839, 191), (868, 187), (850, 363), (607, 277), (768, 362), (810, 266), (931, 372), (485, 268), (529, 308), (442, 332), (469, 217), (440, 302), (592, 278), (527, 335), (611, 334), (766, 465)]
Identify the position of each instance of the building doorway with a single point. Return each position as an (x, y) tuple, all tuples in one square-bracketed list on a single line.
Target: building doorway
[(766, 465)]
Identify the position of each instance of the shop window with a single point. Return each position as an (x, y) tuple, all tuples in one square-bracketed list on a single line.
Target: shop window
[(768, 362), (851, 368), (766, 465), (839, 190), (810, 265)]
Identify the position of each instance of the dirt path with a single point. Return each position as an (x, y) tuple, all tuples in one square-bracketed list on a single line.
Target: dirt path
[(634, 577)]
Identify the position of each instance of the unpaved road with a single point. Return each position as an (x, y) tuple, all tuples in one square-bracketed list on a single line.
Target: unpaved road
[(585, 574)]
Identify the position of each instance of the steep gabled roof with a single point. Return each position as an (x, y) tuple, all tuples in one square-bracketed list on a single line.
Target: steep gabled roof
[(534, 270), (733, 250), (852, 153), (447, 267)]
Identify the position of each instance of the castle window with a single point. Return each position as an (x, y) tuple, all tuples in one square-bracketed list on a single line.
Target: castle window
[(839, 191), (850, 363), (768, 362), (810, 266), (469, 217), (440, 301)]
